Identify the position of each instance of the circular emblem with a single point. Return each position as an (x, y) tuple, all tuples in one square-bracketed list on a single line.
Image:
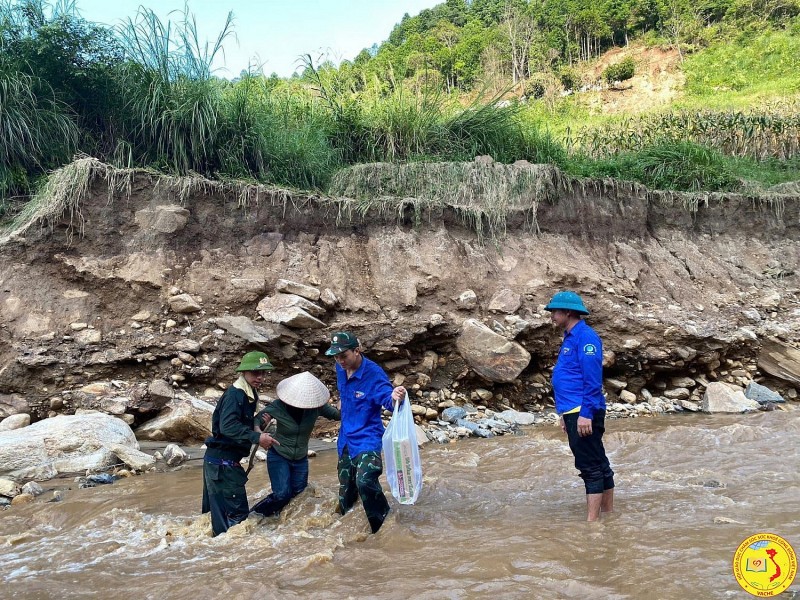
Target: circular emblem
[(765, 565), (590, 349)]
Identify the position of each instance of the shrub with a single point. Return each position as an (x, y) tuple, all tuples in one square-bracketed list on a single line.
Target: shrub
[(570, 78), (621, 71)]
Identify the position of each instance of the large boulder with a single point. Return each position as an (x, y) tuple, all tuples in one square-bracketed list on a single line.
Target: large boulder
[(184, 419), (723, 398), (136, 459), (780, 360), (13, 404), (490, 354), (63, 444)]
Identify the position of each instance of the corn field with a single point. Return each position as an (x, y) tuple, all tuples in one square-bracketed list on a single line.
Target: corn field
[(771, 134)]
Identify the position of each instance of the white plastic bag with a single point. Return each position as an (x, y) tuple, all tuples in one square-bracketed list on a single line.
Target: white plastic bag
[(401, 454)]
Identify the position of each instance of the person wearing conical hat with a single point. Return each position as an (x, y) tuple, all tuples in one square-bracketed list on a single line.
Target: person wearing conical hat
[(364, 391), (233, 431), (301, 399), (578, 393)]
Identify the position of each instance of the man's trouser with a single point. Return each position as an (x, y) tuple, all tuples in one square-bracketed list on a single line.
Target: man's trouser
[(224, 495), (358, 477), (590, 455)]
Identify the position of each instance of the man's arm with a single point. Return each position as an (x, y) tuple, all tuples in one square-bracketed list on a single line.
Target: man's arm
[(590, 356)]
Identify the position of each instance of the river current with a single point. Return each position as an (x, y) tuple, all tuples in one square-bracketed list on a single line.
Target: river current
[(500, 518)]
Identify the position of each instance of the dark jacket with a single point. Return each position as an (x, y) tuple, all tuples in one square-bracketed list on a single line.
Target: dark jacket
[(293, 436), (232, 423)]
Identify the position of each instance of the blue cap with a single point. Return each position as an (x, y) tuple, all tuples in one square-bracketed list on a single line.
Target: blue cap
[(567, 301)]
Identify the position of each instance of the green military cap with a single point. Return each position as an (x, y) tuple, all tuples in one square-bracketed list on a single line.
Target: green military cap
[(341, 341), (255, 361)]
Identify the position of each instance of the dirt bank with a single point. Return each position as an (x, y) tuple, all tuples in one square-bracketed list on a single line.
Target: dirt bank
[(678, 285)]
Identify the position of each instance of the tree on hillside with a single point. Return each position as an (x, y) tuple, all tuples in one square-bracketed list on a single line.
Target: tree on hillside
[(520, 28)]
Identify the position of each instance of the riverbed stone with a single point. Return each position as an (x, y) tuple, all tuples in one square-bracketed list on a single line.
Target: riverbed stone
[(516, 417), (136, 459), (677, 394), (8, 487), (32, 488), (755, 391), (291, 310), (17, 421), (453, 414), (63, 444), (489, 354), (723, 398), (174, 455)]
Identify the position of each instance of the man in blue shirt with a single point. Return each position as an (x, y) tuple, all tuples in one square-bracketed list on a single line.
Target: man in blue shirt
[(578, 392), (364, 391)]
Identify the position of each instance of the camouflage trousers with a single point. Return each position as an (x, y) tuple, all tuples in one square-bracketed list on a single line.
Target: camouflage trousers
[(358, 477)]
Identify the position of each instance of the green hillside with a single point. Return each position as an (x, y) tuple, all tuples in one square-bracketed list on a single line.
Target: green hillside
[(674, 94)]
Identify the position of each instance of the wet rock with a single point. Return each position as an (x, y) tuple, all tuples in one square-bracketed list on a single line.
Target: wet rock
[(474, 428), (101, 479), (22, 499), (417, 410), (32, 488), (627, 396), (78, 326), (15, 422), (184, 419), (63, 444), (483, 394), (467, 300), (489, 354), (516, 417), (292, 287), (135, 459), (142, 316), (8, 488), (760, 393), (184, 304), (174, 455), (453, 414), (505, 301), (431, 413), (722, 398), (689, 405)]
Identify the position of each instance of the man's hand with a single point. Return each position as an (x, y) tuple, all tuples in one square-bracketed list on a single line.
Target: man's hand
[(584, 426), (265, 421), (563, 425), (398, 394), (266, 441)]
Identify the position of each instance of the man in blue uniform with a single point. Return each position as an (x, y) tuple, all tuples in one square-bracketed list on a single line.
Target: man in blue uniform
[(578, 392), (364, 391), (232, 432)]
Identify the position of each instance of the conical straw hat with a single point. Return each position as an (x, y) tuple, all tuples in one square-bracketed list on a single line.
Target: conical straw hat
[(303, 391)]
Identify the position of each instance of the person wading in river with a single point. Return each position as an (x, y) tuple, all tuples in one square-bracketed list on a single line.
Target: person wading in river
[(233, 431), (578, 391), (364, 390), (301, 399)]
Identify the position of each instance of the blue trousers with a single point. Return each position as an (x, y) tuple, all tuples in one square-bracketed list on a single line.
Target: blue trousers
[(288, 479)]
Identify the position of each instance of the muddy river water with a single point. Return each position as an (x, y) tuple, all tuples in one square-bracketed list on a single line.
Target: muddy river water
[(498, 518)]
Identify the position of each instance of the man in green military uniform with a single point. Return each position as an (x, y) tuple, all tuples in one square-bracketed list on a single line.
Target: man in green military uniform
[(233, 431)]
